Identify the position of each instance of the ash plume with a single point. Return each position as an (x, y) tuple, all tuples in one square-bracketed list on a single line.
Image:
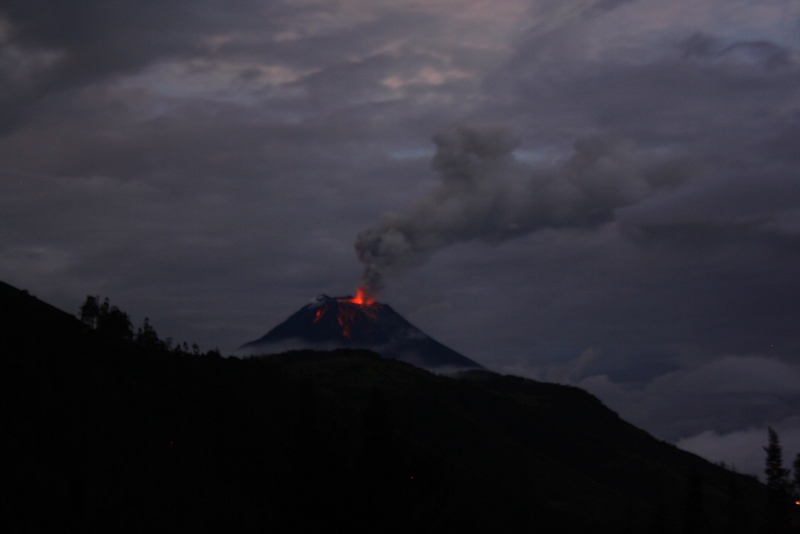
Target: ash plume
[(486, 194)]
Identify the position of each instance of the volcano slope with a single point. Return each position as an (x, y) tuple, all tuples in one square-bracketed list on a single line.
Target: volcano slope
[(113, 435), (347, 322)]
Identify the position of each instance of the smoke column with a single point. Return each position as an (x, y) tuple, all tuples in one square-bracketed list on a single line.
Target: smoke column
[(485, 194)]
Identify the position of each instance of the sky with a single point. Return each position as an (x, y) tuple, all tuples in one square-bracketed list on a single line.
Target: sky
[(603, 193)]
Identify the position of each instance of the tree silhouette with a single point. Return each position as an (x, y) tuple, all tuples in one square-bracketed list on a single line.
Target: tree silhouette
[(777, 486), (114, 323), (89, 311), (147, 337), (107, 320)]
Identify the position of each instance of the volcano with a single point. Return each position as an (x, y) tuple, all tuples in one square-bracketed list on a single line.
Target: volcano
[(348, 322)]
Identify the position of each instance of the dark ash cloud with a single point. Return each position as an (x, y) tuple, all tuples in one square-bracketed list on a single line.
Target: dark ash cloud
[(484, 195)]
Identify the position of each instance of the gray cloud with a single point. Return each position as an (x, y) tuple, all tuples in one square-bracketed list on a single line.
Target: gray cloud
[(681, 406), (743, 450)]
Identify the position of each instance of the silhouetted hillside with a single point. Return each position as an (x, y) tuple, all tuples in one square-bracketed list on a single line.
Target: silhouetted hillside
[(104, 434)]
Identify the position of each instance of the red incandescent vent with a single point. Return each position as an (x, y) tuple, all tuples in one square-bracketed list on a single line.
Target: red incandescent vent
[(362, 298), (348, 314)]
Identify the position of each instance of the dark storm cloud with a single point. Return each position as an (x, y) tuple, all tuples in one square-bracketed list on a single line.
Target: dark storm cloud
[(719, 103), (60, 46), (85, 42), (711, 91)]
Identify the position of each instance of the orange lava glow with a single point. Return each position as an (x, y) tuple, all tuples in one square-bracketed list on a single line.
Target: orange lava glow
[(346, 318), (362, 298), (319, 314)]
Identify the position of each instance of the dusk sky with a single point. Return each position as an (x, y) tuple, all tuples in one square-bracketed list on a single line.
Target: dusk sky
[(598, 193)]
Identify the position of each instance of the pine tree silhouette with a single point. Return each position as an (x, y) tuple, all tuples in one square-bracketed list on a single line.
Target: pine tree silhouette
[(777, 486)]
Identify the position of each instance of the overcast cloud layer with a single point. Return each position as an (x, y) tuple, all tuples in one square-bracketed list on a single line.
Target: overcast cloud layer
[(602, 193)]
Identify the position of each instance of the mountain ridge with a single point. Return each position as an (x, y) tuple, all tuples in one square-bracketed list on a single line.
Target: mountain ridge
[(348, 322)]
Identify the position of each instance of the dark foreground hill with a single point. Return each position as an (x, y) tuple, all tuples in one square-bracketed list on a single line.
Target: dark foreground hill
[(104, 434)]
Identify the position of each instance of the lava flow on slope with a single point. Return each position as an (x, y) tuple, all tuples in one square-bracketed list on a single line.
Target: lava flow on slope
[(358, 322)]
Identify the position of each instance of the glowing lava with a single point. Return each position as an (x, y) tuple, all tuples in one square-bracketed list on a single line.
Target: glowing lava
[(346, 318), (319, 314), (362, 298)]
